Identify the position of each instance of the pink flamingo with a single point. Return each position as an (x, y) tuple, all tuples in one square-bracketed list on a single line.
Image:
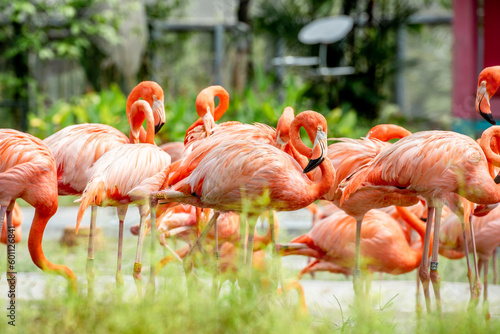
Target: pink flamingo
[(28, 171), (238, 172), (77, 147), (433, 165), (119, 171)]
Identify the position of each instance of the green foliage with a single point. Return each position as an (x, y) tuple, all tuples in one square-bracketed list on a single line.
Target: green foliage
[(106, 107)]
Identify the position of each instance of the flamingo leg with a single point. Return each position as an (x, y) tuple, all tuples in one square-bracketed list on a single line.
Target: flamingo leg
[(308, 269), (251, 221), (418, 306), (423, 271), (495, 269), (436, 280), (11, 251), (89, 268), (357, 282), (485, 292), (216, 278), (203, 235), (121, 211), (152, 205), (469, 270), (138, 256), (477, 285)]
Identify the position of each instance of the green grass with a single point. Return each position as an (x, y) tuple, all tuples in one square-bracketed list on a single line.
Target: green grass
[(174, 310)]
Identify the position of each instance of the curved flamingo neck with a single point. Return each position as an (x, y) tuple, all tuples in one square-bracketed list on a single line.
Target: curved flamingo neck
[(386, 132), (485, 143), (416, 224), (139, 112), (144, 90), (205, 102)]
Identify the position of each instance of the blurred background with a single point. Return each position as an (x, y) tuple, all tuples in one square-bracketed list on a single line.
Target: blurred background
[(414, 62)]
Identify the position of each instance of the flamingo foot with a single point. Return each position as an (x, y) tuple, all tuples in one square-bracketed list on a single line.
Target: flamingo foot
[(138, 277)]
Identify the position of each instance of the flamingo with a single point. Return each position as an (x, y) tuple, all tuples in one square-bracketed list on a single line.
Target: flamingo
[(487, 85), (28, 171), (384, 246), (119, 171), (433, 165), (77, 147), (237, 172)]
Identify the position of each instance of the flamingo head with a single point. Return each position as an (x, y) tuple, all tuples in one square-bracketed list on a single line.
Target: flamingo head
[(152, 93), (316, 128), (488, 82)]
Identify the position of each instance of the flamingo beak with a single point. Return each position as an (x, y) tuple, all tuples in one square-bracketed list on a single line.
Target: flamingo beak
[(318, 151), (158, 113), (483, 103), (208, 122)]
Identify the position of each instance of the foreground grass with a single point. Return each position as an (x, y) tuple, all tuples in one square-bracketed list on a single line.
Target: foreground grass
[(173, 310)]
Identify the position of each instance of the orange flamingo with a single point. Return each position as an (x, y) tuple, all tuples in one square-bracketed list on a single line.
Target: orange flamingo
[(433, 165), (28, 171), (77, 147), (17, 219), (119, 171), (487, 85), (237, 172), (384, 246)]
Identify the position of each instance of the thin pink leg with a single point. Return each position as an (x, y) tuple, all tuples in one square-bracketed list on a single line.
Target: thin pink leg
[(436, 280), (90, 255), (473, 296), (477, 285), (358, 287), (423, 271)]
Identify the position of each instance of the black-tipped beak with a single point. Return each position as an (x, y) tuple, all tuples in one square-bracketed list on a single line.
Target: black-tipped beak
[(158, 127), (497, 179), (488, 117), (313, 164)]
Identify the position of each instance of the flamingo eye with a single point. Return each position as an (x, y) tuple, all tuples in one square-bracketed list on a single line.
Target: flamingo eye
[(483, 83), (320, 128)]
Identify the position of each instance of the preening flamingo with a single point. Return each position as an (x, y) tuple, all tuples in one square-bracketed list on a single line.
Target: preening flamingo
[(433, 165), (236, 172), (122, 169), (331, 241), (77, 147), (28, 171), (487, 85)]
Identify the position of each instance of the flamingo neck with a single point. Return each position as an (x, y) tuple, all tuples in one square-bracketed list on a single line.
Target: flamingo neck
[(139, 112), (386, 132), (419, 226)]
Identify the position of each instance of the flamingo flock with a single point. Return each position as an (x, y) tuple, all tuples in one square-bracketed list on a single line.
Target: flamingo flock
[(211, 190)]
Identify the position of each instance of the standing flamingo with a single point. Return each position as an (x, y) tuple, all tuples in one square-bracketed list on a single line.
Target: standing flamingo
[(433, 165), (28, 171), (237, 172), (119, 171), (77, 147), (487, 85)]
